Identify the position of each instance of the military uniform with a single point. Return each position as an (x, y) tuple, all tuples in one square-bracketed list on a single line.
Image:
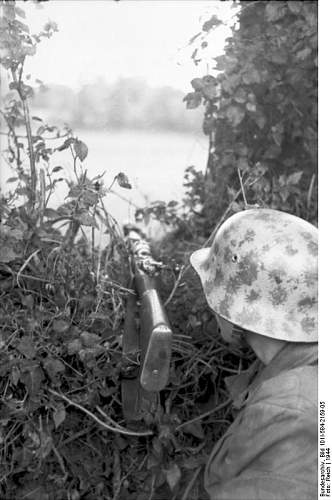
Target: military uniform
[(270, 450)]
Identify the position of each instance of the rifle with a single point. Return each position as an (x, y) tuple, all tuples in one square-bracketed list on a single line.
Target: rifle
[(146, 349)]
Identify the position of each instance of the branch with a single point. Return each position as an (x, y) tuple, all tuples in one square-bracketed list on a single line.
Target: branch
[(45, 138), (118, 430), (191, 483), (176, 284), (29, 134), (242, 188)]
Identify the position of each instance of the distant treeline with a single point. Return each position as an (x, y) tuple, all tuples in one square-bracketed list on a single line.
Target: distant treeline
[(126, 104)]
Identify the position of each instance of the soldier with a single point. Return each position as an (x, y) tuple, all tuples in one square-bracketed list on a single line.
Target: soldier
[(260, 279)]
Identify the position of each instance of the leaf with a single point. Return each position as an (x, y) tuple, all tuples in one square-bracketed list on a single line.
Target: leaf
[(89, 354), (251, 76), (15, 375), (240, 96), (28, 301), (57, 168), (193, 100), (89, 339), (13, 85), (20, 12), (295, 177), (23, 191), (303, 54), (60, 326), (89, 199), (12, 179), (59, 415), (81, 149), (278, 133), (209, 125), (53, 368), (41, 130), (66, 144), (50, 213), (29, 50), (272, 152), (235, 115), (87, 219), (209, 80), (195, 429), (27, 348), (260, 120), (7, 254), (230, 82), (294, 7), (278, 57), (211, 23), (210, 91), (226, 63), (32, 376), (197, 83), (123, 180), (74, 346), (21, 26), (251, 107), (172, 203), (274, 11), (173, 475)]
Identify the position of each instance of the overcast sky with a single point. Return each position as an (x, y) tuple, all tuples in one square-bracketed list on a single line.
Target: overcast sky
[(129, 38)]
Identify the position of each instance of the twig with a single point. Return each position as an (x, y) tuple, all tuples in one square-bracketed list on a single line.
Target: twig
[(110, 420), (45, 138), (242, 187), (75, 436), (61, 462), (25, 264), (309, 195), (153, 488), (191, 483), (116, 472), (96, 419), (206, 414), (176, 284), (29, 134), (42, 198)]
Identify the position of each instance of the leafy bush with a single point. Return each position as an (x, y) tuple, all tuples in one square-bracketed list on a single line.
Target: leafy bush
[(62, 298), (260, 114)]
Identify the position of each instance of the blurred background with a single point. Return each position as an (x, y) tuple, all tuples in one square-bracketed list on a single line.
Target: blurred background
[(116, 73)]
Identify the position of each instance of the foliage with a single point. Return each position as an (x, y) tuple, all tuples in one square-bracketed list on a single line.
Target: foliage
[(62, 310), (260, 113)]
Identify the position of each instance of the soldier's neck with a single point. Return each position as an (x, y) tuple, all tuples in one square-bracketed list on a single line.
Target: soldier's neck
[(265, 348)]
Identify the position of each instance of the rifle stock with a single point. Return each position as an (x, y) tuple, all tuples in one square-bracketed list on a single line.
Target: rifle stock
[(155, 334)]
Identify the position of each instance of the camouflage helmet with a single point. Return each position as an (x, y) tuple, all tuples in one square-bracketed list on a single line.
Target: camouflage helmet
[(261, 274)]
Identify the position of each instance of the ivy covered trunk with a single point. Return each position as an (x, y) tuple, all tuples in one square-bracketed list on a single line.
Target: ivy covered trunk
[(261, 112)]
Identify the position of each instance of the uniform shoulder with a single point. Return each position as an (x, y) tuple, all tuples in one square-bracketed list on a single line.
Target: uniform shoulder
[(296, 389)]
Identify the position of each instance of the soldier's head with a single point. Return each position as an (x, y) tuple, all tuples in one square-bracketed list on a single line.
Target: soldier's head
[(260, 275)]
